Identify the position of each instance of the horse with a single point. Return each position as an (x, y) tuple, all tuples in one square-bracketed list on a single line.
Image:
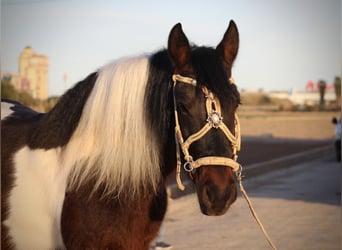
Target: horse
[(91, 173)]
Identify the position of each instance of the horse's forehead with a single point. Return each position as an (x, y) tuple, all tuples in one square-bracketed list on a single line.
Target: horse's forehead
[(6, 109)]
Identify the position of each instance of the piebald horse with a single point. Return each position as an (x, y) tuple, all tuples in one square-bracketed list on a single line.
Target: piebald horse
[(91, 173)]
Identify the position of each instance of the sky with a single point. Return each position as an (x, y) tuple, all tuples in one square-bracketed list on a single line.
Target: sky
[(283, 44)]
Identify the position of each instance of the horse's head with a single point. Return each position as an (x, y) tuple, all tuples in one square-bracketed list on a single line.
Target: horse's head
[(207, 129)]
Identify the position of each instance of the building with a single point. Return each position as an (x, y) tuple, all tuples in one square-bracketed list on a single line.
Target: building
[(33, 73), (309, 98)]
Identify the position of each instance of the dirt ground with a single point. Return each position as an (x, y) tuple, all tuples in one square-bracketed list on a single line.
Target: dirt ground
[(270, 135), (289, 125), (267, 136), (299, 207)]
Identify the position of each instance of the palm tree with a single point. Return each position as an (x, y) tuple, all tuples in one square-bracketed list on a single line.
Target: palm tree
[(321, 85), (337, 85)]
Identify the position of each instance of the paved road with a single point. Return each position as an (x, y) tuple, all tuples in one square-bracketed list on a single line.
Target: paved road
[(299, 207)]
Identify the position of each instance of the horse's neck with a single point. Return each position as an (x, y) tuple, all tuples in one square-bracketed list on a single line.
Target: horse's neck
[(56, 127)]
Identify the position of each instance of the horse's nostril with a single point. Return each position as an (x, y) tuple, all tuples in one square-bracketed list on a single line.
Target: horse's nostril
[(209, 194), (212, 193)]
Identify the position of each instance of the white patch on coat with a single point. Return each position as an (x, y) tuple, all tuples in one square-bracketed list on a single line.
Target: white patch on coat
[(6, 109), (35, 202)]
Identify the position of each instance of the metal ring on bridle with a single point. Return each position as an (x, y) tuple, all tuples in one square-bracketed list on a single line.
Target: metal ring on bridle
[(188, 167), (239, 171)]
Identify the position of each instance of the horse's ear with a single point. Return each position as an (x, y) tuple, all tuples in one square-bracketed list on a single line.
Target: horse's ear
[(229, 45), (179, 48)]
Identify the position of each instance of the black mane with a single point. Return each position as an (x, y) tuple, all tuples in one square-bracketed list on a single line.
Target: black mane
[(158, 98)]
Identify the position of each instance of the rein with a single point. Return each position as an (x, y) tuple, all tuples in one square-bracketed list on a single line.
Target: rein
[(214, 121)]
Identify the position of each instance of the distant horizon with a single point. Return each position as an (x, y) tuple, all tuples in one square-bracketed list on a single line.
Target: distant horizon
[(283, 45), (242, 89)]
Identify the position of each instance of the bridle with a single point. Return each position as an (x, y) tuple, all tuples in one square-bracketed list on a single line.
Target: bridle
[(214, 121)]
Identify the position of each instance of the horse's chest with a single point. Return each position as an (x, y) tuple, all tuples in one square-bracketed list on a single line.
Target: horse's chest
[(35, 201), (91, 222)]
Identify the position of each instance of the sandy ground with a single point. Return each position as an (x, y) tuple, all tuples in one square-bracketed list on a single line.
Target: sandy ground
[(294, 125), (299, 207), (270, 135), (267, 136), (294, 207)]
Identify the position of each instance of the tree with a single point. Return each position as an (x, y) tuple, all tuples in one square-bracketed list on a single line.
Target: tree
[(8, 91)]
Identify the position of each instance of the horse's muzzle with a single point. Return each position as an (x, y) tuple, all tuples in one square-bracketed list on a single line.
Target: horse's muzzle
[(214, 200)]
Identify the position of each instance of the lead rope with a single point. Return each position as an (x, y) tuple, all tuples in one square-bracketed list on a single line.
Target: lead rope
[(251, 208), (242, 189)]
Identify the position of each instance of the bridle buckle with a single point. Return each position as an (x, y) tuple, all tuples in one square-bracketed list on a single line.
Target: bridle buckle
[(188, 166)]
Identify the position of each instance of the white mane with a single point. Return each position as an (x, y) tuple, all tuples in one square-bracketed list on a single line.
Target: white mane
[(112, 142)]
